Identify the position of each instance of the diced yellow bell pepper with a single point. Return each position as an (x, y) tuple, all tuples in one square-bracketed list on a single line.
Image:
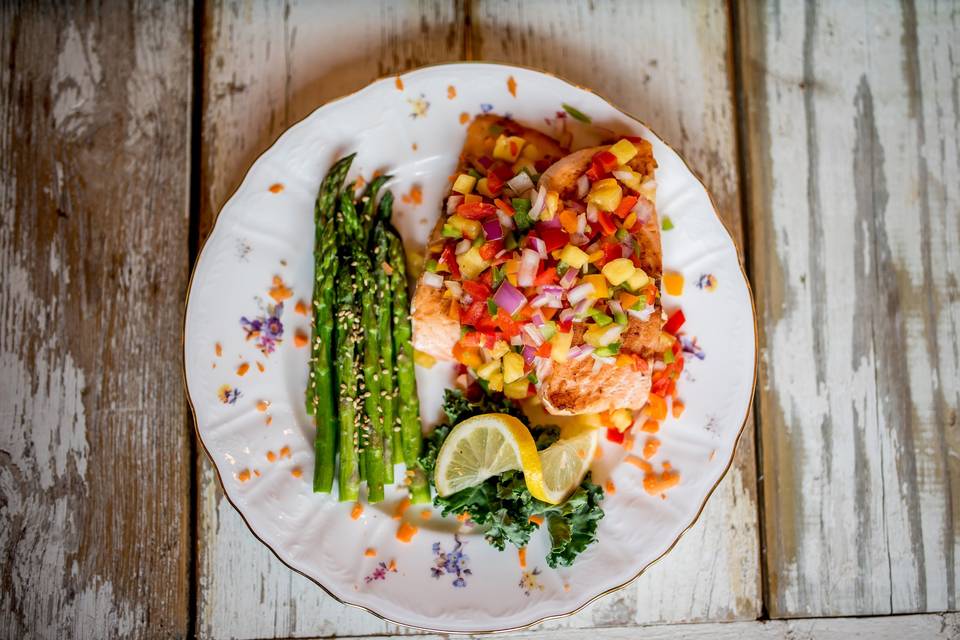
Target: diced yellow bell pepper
[(516, 390), (568, 220), (483, 189), (511, 268), (624, 150), (471, 357), (574, 256), (618, 271), (605, 194), (488, 369), (464, 183), (423, 359), (531, 152), (508, 148), (638, 280), (621, 419), (550, 205), (512, 367), (471, 263), (472, 198), (495, 383), (596, 255), (469, 228), (561, 346), (673, 283), (599, 286)]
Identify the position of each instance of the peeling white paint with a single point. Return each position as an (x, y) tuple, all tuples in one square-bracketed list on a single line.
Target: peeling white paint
[(75, 79)]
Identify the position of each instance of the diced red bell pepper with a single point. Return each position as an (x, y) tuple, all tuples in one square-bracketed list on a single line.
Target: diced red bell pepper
[(485, 161), (504, 206), (490, 249), (472, 314), (547, 276), (542, 164), (495, 183), (626, 203), (476, 210), (501, 170), (470, 339), (449, 258), (565, 325), (606, 161), (675, 321), (477, 290), (613, 435), (554, 238), (544, 350), (606, 223), (611, 251), (487, 278), (660, 386), (506, 324)]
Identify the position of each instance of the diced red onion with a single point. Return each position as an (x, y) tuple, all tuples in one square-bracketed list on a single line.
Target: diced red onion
[(537, 207), (463, 246), (643, 315), (539, 301), (581, 223), (552, 289), (611, 335), (544, 367), (492, 229), (592, 212), (432, 279), (552, 223), (580, 292), (529, 353), (566, 315), (537, 319), (582, 307), (540, 246), (520, 183), (505, 221), (579, 239), (583, 185), (623, 176), (555, 302), (568, 278), (509, 298), (614, 305), (452, 203), (593, 247), (529, 265), (579, 352), (454, 288), (576, 206), (643, 209), (500, 254), (516, 341)]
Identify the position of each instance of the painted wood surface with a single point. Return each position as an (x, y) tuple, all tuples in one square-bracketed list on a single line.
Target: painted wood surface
[(94, 182), (676, 79), (853, 148), (916, 627)]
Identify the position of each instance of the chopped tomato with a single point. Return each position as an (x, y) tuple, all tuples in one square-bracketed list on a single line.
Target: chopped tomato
[(552, 237), (613, 435), (449, 258), (490, 249), (656, 407), (501, 170), (547, 276), (470, 339), (626, 203), (473, 313), (507, 324), (545, 349), (477, 290), (476, 210), (603, 218), (675, 322), (611, 251), (542, 164), (495, 183), (607, 161), (660, 386)]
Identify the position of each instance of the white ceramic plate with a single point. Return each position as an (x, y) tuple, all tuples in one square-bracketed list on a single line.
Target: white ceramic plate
[(258, 435)]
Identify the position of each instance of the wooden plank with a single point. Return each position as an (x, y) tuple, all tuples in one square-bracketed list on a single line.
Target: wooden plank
[(916, 627), (94, 483), (267, 66), (853, 152), (667, 63)]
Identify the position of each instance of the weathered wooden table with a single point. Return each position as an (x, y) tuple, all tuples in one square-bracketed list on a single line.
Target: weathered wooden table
[(828, 132)]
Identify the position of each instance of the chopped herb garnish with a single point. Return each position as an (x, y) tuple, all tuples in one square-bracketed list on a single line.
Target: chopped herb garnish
[(576, 114), (668, 356), (491, 307), (449, 231), (495, 130), (521, 216), (609, 350), (473, 172), (667, 223), (431, 266)]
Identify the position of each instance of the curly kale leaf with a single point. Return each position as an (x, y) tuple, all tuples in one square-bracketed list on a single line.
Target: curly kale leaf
[(458, 408), (573, 524)]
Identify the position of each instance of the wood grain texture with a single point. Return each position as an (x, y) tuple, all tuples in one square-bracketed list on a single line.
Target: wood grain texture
[(668, 64), (94, 483), (853, 151), (267, 66), (916, 627)]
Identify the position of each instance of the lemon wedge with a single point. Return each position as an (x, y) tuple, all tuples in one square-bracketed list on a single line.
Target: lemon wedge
[(487, 445)]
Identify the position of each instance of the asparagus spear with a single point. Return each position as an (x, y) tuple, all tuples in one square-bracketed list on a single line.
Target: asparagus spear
[(391, 431), (369, 213), (373, 451), (409, 404), (321, 377), (347, 336)]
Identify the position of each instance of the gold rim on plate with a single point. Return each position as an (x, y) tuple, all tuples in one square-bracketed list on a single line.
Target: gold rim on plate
[(591, 600)]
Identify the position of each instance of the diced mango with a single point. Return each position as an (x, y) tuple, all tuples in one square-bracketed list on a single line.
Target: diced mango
[(500, 348), (523, 164), (568, 220), (470, 357), (483, 189), (512, 367), (487, 370), (618, 271), (621, 419), (495, 383), (649, 190), (464, 183), (508, 148), (596, 255), (638, 279), (531, 152), (469, 228), (471, 263), (599, 286), (516, 390), (673, 283), (550, 205), (423, 359), (511, 268), (574, 256), (624, 150), (605, 194), (629, 177), (561, 346)]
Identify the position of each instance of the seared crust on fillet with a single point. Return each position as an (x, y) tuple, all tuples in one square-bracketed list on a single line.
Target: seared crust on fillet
[(573, 387)]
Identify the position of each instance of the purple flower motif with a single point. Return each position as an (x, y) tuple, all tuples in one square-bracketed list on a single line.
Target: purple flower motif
[(486, 107), (380, 572), (528, 581), (228, 394), (453, 562), (690, 346), (707, 281), (265, 330)]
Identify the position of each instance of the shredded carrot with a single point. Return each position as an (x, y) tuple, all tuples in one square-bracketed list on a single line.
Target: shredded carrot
[(398, 83), (392, 566), (643, 465), (262, 406), (370, 552), (650, 448), (243, 368), (244, 475), (655, 483), (285, 452), (357, 511), (522, 556), (463, 517), (276, 187), (609, 487), (451, 92), (300, 339), (271, 456), (537, 520), (656, 407), (296, 472), (301, 307), (406, 532), (512, 86), (280, 291), (677, 408), (426, 514), (650, 426), (260, 366), (464, 117), (218, 349), (401, 508)]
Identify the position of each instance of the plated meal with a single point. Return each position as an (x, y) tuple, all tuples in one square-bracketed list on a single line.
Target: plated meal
[(474, 391)]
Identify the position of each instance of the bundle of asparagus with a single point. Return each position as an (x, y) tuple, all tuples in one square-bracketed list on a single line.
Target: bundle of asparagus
[(361, 388)]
